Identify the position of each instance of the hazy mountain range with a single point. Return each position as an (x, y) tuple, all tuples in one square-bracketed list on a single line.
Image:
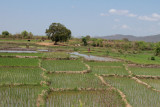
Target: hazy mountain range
[(152, 38)]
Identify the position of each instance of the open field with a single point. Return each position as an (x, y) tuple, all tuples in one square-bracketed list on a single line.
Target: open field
[(137, 94), (107, 68), (20, 76), (155, 83), (84, 99), (33, 82), (24, 96), (75, 81), (63, 65), (18, 62), (145, 71)]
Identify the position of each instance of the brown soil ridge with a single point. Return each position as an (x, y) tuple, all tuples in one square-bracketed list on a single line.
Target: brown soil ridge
[(75, 72), (126, 68), (144, 65), (108, 66), (59, 58), (147, 77), (145, 84), (114, 75), (78, 89), (123, 96)]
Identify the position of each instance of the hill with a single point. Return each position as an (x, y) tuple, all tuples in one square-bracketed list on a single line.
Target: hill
[(152, 38)]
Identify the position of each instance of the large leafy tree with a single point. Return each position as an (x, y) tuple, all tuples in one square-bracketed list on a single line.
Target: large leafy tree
[(5, 33), (58, 33)]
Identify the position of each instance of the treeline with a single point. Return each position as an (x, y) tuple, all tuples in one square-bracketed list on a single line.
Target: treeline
[(23, 35), (122, 45)]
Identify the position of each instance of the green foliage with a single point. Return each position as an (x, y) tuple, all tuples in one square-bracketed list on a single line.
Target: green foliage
[(5, 33), (58, 32), (84, 40), (157, 50), (24, 34)]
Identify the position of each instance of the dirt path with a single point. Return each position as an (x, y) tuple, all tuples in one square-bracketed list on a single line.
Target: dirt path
[(123, 96)]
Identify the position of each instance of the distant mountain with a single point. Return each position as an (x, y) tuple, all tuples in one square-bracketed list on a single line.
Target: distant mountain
[(152, 38)]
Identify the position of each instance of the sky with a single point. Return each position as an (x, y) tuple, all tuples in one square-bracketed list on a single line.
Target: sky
[(82, 17)]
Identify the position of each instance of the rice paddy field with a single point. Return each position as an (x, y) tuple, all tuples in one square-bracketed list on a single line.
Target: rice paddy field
[(107, 68), (137, 94), (33, 82), (63, 65), (84, 99), (145, 71)]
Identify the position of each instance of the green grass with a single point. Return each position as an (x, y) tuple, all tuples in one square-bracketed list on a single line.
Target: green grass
[(75, 81), (20, 75), (63, 65), (18, 62), (22, 54), (137, 95), (84, 99), (155, 83), (56, 55), (107, 68), (25, 96), (145, 71)]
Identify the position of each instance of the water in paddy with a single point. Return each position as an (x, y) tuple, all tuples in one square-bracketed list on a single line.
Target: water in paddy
[(95, 58), (16, 51)]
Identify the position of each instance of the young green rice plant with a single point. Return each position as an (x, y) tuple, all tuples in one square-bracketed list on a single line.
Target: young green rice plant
[(75, 81), (63, 65), (56, 55), (107, 68), (137, 94), (20, 75), (145, 71), (155, 83), (107, 98), (22, 54), (24, 96), (18, 62)]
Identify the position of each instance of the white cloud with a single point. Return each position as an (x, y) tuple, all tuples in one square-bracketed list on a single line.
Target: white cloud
[(155, 15), (118, 12), (147, 18), (103, 14), (116, 20), (152, 17), (132, 15), (125, 26)]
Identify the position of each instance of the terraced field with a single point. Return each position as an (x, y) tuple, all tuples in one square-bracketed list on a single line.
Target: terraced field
[(55, 79)]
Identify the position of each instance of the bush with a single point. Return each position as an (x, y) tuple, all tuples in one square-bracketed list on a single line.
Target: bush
[(152, 58)]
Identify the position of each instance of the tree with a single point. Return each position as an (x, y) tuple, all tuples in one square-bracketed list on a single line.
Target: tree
[(30, 35), (157, 50), (58, 33), (84, 40), (5, 33), (24, 34)]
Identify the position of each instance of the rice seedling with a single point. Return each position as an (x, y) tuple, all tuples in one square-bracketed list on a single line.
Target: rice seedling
[(20, 75), (56, 55), (24, 96), (75, 81), (107, 98), (155, 83), (18, 62), (22, 54), (137, 95), (145, 71), (107, 68), (63, 65)]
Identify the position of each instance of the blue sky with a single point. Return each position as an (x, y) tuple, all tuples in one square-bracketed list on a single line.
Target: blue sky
[(82, 17)]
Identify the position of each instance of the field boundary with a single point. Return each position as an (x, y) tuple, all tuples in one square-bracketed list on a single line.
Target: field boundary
[(123, 96), (88, 70)]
